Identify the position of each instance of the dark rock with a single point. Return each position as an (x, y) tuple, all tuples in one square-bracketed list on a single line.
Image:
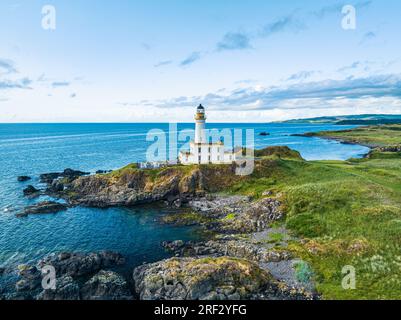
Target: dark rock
[(23, 178), (389, 149), (77, 265), (103, 171), (31, 190), (106, 285), (264, 134), (2, 271), (257, 217), (247, 250), (18, 296), (238, 214), (136, 187), (219, 205), (232, 248), (66, 289), (31, 278), (49, 177), (64, 255), (67, 173), (44, 207), (189, 249), (173, 245), (207, 278), (177, 203), (56, 186)]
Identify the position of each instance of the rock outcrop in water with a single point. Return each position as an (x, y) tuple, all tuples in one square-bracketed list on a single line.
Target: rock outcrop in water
[(68, 174), (78, 265), (31, 191), (23, 178), (44, 207), (106, 285), (72, 270), (66, 289)]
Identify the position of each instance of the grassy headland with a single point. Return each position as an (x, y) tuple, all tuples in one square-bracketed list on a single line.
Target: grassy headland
[(372, 136), (362, 119), (347, 213)]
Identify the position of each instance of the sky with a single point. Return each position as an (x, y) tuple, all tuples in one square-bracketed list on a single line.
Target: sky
[(157, 60)]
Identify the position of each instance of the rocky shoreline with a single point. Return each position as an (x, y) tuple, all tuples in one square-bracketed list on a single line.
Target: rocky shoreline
[(241, 260)]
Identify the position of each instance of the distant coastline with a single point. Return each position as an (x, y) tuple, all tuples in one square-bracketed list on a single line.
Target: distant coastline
[(363, 119)]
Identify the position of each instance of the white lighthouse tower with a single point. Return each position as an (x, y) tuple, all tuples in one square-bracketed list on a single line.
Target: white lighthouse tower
[(204, 151), (200, 123)]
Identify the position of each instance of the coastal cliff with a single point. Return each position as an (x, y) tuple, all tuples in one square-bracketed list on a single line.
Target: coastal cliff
[(131, 186), (297, 222)]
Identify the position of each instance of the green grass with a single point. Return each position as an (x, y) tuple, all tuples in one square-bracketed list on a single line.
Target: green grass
[(371, 135), (347, 212), (230, 216), (276, 237)]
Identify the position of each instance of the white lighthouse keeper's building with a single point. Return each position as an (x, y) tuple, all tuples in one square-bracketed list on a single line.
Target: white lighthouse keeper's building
[(203, 151)]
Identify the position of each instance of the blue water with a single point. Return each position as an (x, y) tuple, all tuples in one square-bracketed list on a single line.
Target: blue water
[(32, 149)]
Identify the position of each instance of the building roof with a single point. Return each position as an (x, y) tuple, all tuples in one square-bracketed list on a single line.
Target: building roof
[(201, 107)]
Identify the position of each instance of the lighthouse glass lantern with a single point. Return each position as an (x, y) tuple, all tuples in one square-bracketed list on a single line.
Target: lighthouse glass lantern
[(200, 120)]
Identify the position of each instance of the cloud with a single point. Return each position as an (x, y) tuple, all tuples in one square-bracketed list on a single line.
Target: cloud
[(302, 95), (193, 57), (41, 78), (351, 67), (302, 75), (58, 84), (163, 63), (7, 67), (234, 41), (368, 36), (281, 25), (363, 4), (373, 67), (146, 46), (327, 10), (240, 40), (337, 8), (245, 81), (23, 83)]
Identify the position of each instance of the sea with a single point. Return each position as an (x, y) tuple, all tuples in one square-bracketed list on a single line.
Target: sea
[(32, 149)]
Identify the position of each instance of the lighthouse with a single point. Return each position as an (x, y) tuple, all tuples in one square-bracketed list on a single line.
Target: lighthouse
[(200, 125), (204, 151)]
